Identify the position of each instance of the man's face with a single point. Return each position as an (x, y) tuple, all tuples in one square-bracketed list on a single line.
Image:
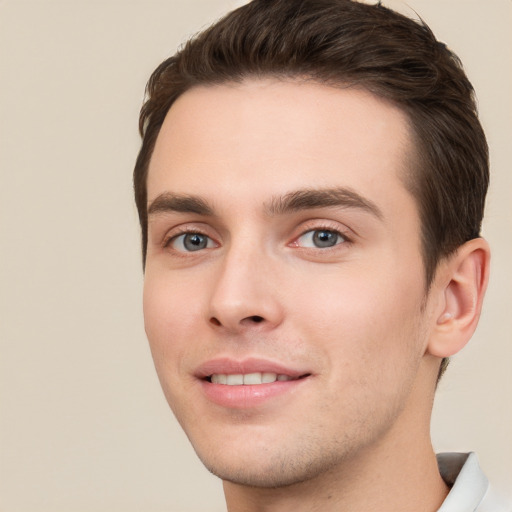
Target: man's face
[(284, 245)]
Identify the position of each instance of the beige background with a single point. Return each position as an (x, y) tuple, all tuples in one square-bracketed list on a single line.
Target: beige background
[(83, 423)]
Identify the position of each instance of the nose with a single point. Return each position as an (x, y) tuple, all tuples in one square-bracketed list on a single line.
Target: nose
[(245, 294)]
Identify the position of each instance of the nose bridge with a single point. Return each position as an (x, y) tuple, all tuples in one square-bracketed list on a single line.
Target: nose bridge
[(244, 292)]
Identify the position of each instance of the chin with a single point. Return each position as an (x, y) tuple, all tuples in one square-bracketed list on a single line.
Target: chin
[(276, 471), (267, 479)]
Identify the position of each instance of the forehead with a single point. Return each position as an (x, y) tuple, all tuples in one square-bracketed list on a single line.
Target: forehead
[(264, 137)]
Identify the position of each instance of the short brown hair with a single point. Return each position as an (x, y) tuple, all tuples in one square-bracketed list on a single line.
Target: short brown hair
[(347, 43)]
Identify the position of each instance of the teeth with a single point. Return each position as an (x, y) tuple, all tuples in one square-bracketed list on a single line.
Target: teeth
[(253, 378), (256, 378), (234, 380), (219, 378)]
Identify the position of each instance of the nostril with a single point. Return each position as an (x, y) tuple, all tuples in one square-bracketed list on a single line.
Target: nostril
[(255, 319)]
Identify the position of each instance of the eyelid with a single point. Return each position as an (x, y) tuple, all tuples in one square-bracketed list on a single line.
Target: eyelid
[(322, 224), (309, 239), (178, 243), (189, 228)]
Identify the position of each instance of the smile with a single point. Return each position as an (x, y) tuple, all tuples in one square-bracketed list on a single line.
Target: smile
[(249, 383), (248, 379)]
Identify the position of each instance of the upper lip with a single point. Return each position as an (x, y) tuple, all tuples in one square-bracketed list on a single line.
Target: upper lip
[(230, 366)]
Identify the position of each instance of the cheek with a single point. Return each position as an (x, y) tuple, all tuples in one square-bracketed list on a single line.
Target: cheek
[(365, 319), (168, 315), (172, 326), (370, 336)]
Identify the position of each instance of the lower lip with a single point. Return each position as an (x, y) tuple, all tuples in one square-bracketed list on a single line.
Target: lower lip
[(247, 396)]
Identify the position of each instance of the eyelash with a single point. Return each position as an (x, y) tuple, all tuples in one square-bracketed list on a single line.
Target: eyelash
[(346, 239), (184, 231)]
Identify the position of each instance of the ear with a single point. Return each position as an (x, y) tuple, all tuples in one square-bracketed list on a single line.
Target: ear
[(460, 284)]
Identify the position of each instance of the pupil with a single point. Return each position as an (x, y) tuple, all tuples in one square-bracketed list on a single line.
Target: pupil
[(194, 242), (325, 238)]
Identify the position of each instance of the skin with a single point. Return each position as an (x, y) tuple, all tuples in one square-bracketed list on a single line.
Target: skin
[(354, 317)]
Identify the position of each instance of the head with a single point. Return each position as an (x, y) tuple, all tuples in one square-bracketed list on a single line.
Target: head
[(309, 46)]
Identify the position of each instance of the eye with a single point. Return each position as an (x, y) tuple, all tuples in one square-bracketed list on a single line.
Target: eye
[(190, 242), (320, 238)]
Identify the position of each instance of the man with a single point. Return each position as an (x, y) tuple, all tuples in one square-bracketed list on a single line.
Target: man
[(311, 187)]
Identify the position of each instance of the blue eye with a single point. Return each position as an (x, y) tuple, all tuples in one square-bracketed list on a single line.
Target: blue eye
[(190, 242), (320, 238)]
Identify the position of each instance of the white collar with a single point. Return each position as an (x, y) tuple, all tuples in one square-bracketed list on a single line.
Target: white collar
[(468, 484)]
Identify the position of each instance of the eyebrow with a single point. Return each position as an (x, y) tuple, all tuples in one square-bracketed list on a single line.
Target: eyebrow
[(298, 200), (308, 199), (169, 202)]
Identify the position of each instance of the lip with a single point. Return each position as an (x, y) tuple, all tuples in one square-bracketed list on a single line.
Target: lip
[(250, 365), (248, 396)]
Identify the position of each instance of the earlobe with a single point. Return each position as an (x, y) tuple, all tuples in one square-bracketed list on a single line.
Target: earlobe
[(463, 281)]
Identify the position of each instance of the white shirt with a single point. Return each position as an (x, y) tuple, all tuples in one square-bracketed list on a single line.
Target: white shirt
[(470, 490)]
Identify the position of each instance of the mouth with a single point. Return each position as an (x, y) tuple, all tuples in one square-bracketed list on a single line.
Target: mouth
[(251, 379), (249, 383)]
